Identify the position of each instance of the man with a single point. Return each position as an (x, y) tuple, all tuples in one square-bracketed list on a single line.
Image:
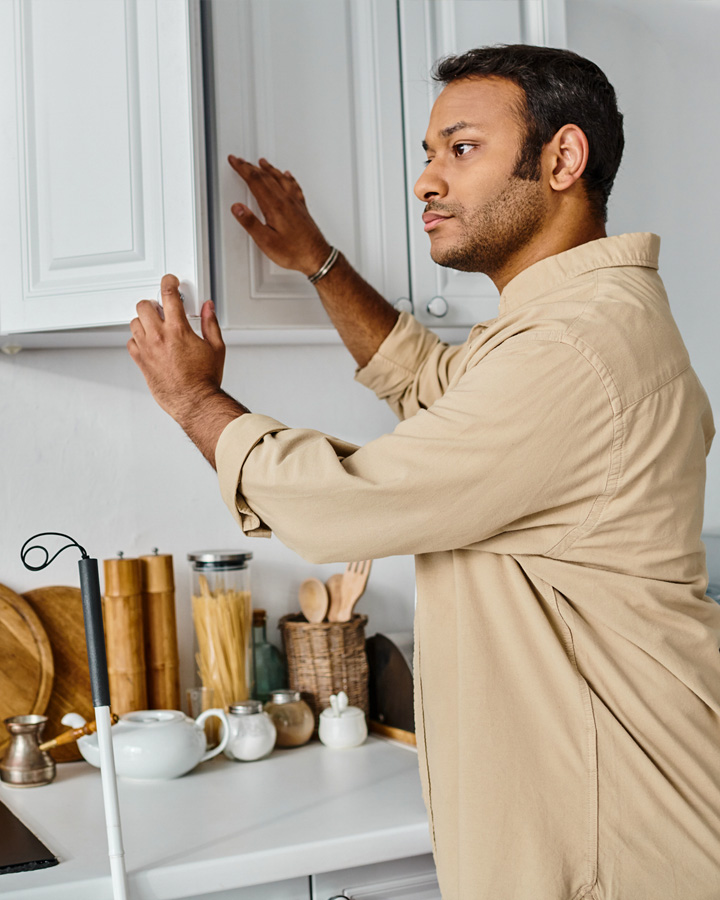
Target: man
[(549, 477)]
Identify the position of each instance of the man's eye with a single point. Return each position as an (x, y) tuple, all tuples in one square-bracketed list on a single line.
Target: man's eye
[(462, 149), (427, 162)]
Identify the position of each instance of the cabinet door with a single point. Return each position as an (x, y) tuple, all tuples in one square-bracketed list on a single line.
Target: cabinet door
[(315, 88), (403, 879), (429, 30), (101, 161)]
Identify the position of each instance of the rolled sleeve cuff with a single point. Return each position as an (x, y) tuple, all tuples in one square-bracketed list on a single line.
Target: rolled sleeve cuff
[(399, 356), (237, 441)]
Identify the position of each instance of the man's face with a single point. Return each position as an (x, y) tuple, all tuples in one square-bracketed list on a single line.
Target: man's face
[(478, 214)]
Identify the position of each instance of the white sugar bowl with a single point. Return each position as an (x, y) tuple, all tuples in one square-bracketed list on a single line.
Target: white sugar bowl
[(342, 726)]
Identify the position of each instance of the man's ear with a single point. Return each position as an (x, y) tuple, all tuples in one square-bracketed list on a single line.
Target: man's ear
[(567, 156)]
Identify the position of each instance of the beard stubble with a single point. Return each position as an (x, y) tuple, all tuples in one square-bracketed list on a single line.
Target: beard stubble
[(496, 231)]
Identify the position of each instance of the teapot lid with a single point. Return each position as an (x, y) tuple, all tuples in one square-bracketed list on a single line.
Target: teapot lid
[(154, 716)]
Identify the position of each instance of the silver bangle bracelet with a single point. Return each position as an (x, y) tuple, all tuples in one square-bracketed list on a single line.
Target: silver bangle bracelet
[(325, 267)]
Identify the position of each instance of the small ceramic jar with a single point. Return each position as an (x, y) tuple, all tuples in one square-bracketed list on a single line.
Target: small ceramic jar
[(349, 729), (292, 716), (252, 731)]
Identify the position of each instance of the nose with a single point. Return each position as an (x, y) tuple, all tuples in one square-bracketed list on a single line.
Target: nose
[(431, 184)]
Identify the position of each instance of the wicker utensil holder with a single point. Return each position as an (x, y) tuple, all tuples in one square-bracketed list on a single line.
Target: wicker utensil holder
[(326, 658)]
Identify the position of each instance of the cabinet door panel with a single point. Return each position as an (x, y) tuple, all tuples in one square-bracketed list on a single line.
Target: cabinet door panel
[(101, 169), (429, 30), (315, 88)]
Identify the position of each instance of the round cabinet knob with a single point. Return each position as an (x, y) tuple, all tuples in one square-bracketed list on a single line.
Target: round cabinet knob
[(404, 304), (437, 307)]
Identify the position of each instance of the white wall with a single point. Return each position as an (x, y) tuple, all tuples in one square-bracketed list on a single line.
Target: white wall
[(661, 56), (86, 451)]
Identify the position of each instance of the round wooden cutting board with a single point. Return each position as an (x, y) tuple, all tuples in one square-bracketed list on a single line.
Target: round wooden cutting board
[(61, 613), (26, 661)]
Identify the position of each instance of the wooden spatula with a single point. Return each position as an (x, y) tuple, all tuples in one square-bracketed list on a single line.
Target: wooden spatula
[(334, 588)]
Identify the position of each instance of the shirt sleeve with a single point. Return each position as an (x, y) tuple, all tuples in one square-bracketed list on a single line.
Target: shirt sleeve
[(412, 368), (521, 441)]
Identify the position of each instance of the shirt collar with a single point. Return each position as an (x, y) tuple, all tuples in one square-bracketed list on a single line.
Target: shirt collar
[(640, 249)]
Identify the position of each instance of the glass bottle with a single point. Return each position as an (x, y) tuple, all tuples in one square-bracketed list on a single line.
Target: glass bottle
[(222, 619), (269, 672)]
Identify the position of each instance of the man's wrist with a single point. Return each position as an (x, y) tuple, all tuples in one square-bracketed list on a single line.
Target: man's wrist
[(205, 419)]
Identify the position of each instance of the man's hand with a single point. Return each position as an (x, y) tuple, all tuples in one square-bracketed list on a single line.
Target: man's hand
[(291, 239), (290, 236), (183, 370)]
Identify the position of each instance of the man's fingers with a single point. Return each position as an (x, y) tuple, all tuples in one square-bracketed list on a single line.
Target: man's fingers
[(171, 303), (250, 222), (266, 182)]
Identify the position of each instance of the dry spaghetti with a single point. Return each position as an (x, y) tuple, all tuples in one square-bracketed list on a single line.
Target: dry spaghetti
[(223, 622)]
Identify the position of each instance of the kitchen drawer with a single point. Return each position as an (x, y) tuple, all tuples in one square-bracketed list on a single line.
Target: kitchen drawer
[(292, 889), (404, 879)]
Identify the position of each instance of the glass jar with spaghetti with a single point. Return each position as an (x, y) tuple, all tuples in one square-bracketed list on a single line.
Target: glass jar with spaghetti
[(222, 621)]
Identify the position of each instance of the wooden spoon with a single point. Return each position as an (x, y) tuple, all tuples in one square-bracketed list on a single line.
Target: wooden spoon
[(314, 600), (333, 585)]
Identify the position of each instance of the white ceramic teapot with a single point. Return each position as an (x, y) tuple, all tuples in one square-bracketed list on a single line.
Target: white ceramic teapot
[(154, 743)]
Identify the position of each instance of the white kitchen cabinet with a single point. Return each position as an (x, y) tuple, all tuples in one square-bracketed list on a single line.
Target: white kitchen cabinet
[(313, 86), (404, 879), (338, 91), (101, 159)]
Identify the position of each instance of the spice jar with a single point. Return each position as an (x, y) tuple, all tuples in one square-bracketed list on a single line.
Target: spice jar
[(252, 731), (222, 619), (292, 716)]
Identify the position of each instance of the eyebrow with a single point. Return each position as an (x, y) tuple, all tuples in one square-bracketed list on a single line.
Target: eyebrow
[(450, 130)]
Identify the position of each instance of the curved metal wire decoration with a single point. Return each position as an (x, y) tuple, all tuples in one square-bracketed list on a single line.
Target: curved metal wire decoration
[(25, 550)]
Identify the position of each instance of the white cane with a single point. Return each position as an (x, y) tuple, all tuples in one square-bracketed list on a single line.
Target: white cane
[(97, 661)]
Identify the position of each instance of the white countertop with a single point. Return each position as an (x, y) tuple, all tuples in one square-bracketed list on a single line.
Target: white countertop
[(225, 824)]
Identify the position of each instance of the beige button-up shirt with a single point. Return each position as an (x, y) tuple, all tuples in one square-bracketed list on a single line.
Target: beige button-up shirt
[(549, 477)]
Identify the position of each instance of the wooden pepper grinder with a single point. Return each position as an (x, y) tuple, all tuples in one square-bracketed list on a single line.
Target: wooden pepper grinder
[(161, 644), (123, 617)]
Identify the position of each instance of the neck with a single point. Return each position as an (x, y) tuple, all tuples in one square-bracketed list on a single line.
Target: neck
[(555, 237)]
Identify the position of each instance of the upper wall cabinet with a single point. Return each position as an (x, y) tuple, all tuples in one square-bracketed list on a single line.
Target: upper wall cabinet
[(313, 86), (101, 158), (339, 92)]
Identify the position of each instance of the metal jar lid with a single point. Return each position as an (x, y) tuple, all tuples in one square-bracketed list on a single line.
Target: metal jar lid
[(245, 708), (219, 559), (284, 696)]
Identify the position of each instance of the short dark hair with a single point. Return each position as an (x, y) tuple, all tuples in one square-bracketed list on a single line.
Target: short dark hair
[(560, 88)]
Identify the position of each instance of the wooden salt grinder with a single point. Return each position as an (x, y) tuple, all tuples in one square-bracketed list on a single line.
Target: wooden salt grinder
[(123, 617), (161, 643)]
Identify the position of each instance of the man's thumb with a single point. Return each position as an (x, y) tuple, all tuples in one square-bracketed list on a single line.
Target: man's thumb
[(210, 326)]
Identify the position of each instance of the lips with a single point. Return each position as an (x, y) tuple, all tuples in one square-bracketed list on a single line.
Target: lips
[(433, 219)]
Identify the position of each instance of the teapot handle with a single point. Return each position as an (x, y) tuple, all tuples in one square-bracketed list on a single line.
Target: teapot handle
[(224, 730)]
